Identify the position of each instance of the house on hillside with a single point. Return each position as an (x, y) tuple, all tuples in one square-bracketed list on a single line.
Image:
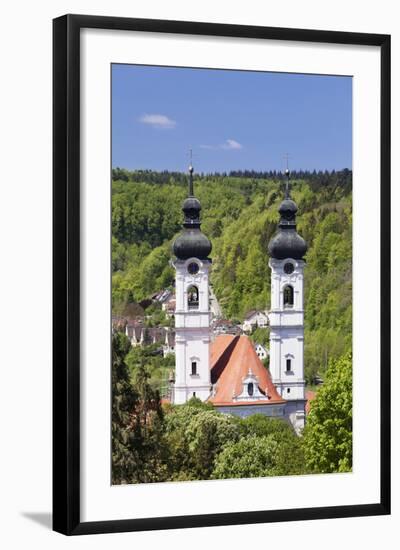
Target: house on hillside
[(169, 342), (118, 323), (163, 296), (169, 307), (134, 330), (261, 351), (223, 326), (140, 335), (255, 319)]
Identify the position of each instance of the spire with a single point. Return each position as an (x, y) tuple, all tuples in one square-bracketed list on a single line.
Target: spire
[(191, 176), (287, 187), (287, 174), (191, 181), (191, 206)]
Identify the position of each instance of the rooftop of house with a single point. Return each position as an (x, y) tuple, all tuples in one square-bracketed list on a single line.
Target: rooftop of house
[(253, 313)]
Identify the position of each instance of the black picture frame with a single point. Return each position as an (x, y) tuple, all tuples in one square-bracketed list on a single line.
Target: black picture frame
[(66, 273)]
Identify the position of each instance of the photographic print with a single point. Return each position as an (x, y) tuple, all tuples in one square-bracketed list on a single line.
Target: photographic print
[(231, 274), (221, 319)]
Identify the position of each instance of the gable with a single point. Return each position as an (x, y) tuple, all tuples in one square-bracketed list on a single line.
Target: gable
[(231, 359)]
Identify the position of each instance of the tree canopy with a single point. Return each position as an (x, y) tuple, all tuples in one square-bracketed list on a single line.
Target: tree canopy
[(328, 432)]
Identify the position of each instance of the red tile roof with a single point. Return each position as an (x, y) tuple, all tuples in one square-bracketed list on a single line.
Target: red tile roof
[(310, 395), (221, 350), (231, 359)]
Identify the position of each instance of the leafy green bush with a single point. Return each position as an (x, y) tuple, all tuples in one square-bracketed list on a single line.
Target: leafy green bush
[(328, 433)]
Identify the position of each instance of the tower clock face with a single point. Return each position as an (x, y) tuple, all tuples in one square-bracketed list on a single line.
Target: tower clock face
[(288, 268), (193, 268)]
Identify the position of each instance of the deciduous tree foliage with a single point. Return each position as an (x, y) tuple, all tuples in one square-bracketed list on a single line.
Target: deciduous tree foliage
[(328, 433), (269, 447), (249, 457), (196, 433), (137, 421), (124, 399)]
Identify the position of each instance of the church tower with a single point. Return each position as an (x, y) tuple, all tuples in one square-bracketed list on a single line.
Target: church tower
[(286, 250), (192, 313)]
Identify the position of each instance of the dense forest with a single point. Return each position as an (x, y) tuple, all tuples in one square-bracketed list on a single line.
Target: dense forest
[(239, 215)]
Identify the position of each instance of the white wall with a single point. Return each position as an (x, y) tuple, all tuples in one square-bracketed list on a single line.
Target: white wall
[(25, 404)]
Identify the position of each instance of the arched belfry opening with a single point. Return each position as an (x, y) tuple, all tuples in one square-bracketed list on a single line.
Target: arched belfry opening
[(193, 297), (288, 296)]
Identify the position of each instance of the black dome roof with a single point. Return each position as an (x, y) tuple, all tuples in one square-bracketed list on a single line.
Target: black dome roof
[(287, 243), (191, 203), (192, 243), (288, 207)]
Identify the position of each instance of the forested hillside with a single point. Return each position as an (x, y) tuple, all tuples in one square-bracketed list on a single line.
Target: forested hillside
[(239, 215)]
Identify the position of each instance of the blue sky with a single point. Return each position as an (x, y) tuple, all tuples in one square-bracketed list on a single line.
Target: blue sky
[(231, 119)]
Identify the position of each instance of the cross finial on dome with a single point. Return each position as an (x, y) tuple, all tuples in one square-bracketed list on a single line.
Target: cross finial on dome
[(287, 187), (287, 174), (190, 174)]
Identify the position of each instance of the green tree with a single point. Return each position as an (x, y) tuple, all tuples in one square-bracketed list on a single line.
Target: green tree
[(289, 459), (328, 433), (261, 425), (249, 457), (196, 433), (148, 429), (137, 421), (124, 400)]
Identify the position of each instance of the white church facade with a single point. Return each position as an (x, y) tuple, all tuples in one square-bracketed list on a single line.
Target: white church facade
[(227, 371)]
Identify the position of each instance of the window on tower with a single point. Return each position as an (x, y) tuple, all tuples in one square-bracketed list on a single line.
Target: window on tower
[(288, 296), (193, 297), (194, 368), (288, 365)]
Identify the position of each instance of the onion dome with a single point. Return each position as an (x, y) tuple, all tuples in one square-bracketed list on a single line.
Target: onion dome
[(191, 243), (287, 243)]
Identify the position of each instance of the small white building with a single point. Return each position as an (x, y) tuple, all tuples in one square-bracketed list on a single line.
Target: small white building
[(166, 299), (134, 330), (224, 326), (169, 308), (169, 343), (261, 351), (255, 319), (163, 296)]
